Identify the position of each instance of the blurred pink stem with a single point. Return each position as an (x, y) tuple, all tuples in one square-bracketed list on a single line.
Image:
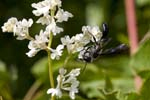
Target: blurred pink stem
[(132, 33), (131, 25)]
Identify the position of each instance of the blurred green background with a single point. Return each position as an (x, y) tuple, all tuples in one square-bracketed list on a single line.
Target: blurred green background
[(16, 76)]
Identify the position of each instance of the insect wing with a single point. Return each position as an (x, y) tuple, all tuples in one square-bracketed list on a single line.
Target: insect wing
[(117, 50)]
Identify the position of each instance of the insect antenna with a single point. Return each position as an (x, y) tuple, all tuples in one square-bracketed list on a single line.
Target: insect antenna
[(83, 68), (105, 30)]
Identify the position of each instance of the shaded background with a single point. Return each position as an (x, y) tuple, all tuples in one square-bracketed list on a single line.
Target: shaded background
[(86, 12)]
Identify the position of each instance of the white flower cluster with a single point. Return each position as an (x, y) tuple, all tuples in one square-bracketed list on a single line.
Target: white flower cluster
[(79, 41), (57, 52), (66, 82), (19, 28), (37, 44), (47, 9), (50, 13)]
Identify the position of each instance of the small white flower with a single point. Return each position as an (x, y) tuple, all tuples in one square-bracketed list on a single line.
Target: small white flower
[(56, 92), (52, 27), (62, 71), (62, 15), (38, 44), (9, 25), (74, 44), (74, 72), (56, 53), (32, 52), (45, 6), (73, 89), (66, 40), (66, 82), (77, 38), (21, 29), (80, 41), (42, 7), (93, 32), (45, 20)]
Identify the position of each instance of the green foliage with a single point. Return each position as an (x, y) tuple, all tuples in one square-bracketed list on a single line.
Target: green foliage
[(143, 2), (140, 61), (109, 95), (132, 96), (108, 84), (144, 93), (3, 72), (108, 92), (4, 82), (40, 68), (66, 97)]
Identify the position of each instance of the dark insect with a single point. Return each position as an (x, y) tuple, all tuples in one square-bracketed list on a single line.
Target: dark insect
[(97, 48)]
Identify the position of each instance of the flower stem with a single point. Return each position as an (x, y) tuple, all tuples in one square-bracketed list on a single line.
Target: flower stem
[(49, 58), (50, 64), (50, 70), (30, 38), (66, 60)]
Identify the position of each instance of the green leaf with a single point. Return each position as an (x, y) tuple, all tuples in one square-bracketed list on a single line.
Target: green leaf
[(91, 88), (2, 67), (115, 65), (66, 97), (145, 95), (4, 82), (5, 92), (123, 38), (144, 73), (40, 68), (132, 96), (142, 2), (4, 75), (124, 84), (109, 95), (108, 84), (140, 60)]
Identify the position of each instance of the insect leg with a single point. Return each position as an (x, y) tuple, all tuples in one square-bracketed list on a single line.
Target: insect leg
[(83, 68)]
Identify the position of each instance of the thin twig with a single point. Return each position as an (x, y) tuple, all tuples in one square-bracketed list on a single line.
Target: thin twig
[(32, 90), (1, 98)]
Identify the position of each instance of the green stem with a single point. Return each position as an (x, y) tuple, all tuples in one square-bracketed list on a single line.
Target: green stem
[(53, 11), (49, 59), (30, 38), (50, 64), (66, 60), (50, 70)]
